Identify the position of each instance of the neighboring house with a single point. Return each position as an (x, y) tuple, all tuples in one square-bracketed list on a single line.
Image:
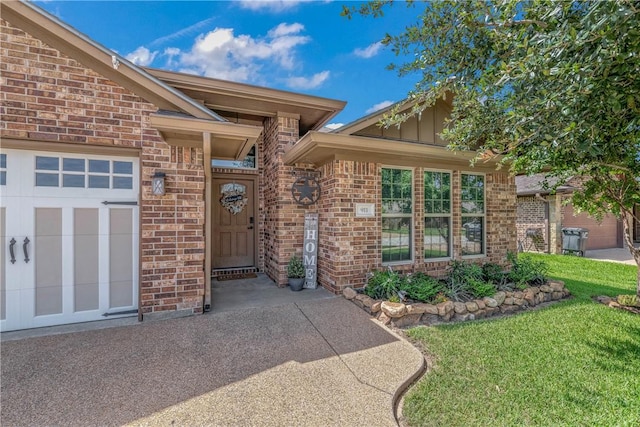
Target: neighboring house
[(542, 215), (86, 135)]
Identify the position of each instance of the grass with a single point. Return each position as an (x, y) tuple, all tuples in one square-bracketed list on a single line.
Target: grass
[(574, 363)]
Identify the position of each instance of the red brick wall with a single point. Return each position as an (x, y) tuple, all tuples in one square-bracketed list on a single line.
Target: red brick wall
[(531, 215), (284, 223), (501, 216), (46, 96), (350, 246)]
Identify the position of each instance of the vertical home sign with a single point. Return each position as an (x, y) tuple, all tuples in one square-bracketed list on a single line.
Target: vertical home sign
[(310, 250)]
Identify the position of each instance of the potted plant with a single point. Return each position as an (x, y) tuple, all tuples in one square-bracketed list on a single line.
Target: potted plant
[(295, 273)]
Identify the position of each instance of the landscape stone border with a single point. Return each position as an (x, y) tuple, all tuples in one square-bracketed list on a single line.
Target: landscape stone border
[(402, 315)]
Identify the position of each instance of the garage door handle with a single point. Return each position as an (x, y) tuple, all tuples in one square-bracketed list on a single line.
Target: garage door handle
[(25, 249), (12, 243)]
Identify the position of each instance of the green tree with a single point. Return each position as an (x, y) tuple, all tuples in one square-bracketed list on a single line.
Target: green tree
[(547, 86)]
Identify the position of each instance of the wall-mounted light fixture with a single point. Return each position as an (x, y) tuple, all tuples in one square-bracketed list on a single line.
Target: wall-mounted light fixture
[(157, 183)]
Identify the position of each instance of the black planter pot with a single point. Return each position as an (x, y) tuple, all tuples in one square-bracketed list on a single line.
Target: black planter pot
[(296, 284)]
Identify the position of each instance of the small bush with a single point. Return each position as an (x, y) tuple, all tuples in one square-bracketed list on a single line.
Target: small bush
[(295, 268), (466, 281), (493, 273), (628, 300), (480, 289), (526, 271), (421, 287), (383, 284)]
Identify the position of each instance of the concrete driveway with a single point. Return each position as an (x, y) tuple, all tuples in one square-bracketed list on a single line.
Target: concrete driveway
[(306, 363), (621, 255)]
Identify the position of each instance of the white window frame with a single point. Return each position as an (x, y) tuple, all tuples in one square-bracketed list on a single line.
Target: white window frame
[(411, 216), (482, 215), (439, 215)]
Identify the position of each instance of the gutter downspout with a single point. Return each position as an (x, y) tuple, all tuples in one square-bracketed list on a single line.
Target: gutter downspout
[(546, 221), (206, 149)]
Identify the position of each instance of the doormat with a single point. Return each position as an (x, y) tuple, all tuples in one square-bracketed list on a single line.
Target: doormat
[(237, 276)]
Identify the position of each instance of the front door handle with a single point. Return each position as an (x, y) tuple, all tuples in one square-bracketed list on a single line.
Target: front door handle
[(12, 243), (25, 249), (250, 227)]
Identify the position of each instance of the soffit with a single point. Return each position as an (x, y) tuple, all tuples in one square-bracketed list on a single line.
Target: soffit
[(229, 141), (78, 46), (318, 148), (220, 95)]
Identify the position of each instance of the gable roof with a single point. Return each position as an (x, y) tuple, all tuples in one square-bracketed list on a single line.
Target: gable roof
[(376, 116), (530, 185), (55, 33), (253, 101), (356, 142)]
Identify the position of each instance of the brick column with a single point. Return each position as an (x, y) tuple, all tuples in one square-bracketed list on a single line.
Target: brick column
[(172, 230), (284, 219), (349, 245), (501, 217)]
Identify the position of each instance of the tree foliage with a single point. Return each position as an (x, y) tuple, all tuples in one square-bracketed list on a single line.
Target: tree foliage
[(549, 86)]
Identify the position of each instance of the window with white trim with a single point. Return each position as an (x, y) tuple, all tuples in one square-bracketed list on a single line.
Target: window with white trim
[(397, 215), (70, 172), (437, 214), (472, 198)]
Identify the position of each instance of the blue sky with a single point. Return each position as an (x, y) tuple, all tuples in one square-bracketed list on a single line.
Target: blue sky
[(295, 45)]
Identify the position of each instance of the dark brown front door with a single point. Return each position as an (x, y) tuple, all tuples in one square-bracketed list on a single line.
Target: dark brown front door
[(234, 227)]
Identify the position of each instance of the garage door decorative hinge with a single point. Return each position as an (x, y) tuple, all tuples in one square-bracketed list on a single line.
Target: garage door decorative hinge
[(120, 203)]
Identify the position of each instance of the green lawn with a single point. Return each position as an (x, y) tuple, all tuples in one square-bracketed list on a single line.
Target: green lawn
[(574, 363)]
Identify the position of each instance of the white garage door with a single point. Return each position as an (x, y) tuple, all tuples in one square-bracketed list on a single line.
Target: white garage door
[(69, 233)]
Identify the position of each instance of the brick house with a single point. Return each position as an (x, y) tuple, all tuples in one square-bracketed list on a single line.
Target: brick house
[(84, 235), (542, 215)]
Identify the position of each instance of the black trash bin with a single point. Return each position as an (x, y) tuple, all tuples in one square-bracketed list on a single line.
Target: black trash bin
[(574, 240)]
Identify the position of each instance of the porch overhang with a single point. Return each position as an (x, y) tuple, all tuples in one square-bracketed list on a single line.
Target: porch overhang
[(318, 148), (228, 141)]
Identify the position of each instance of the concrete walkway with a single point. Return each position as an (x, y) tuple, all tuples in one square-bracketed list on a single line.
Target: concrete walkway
[(318, 360)]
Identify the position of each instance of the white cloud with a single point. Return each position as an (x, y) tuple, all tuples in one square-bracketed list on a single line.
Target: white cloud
[(379, 106), (334, 126), (222, 54), (308, 82), (142, 56), (285, 29), (270, 5), (369, 51)]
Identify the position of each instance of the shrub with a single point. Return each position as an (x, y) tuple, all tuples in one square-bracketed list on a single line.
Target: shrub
[(421, 287), (457, 282), (481, 289), (295, 268), (526, 271), (383, 284), (466, 281), (629, 300), (493, 273)]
